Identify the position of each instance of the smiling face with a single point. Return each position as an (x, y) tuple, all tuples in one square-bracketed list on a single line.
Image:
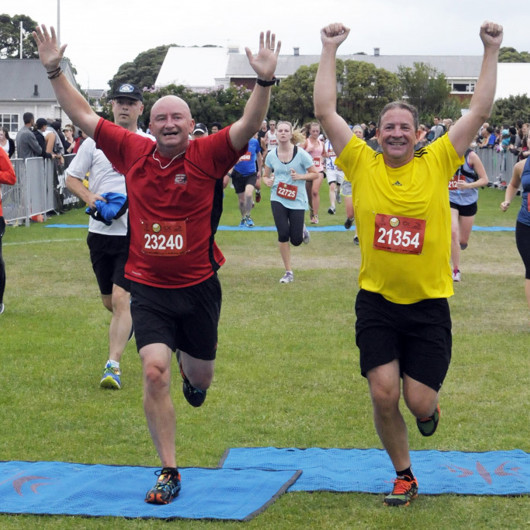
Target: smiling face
[(397, 136), (171, 124)]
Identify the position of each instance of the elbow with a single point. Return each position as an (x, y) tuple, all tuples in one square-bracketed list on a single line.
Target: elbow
[(320, 113)]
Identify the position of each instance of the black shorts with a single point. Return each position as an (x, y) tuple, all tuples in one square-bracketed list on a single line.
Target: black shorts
[(109, 255), (418, 335), (241, 181), (184, 319), (468, 210)]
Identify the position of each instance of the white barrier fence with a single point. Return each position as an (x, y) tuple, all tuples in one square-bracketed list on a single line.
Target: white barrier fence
[(40, 189), (498, 165)]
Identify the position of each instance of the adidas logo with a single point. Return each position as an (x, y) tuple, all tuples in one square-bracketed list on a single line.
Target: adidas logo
[(397, 183)]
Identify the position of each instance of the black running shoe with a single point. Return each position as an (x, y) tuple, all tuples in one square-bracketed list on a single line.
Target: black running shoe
[(167, 486), (194, 396)]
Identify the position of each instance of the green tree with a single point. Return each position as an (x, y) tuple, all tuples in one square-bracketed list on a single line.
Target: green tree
[(143, 71), (511, 109), (364, 90), (426, 89), (292, 100), (507, 54), (10, 37)]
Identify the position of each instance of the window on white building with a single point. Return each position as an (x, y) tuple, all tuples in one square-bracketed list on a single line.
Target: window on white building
[(10, 122)]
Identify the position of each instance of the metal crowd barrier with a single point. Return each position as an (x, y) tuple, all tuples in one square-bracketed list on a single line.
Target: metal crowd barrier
[(39, 190), (498, 165)]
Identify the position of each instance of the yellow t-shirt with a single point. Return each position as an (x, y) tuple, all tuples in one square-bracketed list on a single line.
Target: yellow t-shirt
[(403, 220)]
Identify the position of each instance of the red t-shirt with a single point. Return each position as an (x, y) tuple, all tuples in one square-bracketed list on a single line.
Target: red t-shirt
[(173, 211)]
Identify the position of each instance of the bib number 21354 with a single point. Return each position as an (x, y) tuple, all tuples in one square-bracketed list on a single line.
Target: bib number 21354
[(395, 233)]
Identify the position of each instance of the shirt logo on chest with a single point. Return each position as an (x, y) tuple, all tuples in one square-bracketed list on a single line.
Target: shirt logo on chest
[(181, 178)]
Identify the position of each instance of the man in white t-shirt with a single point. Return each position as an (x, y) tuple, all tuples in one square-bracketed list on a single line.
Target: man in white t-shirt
[(107, 231)]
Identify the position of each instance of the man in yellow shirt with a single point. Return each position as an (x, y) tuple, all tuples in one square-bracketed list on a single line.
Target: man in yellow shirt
[(401, 203)]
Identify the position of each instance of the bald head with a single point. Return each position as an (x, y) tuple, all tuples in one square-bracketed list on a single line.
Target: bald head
[(171, 104)]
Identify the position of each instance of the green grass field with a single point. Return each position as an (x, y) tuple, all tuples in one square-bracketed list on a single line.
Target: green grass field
[(287, 372)]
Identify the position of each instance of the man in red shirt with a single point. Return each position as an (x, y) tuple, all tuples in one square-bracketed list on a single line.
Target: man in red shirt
[(175, 200)]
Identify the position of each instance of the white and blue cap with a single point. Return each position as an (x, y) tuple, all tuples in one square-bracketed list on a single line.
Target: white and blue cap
[(126, 90)]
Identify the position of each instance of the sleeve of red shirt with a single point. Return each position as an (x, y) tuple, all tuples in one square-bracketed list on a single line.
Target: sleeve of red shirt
[(7, 172), (216, 154)]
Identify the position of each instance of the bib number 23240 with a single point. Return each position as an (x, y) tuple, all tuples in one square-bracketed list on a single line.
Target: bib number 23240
[(403, 235), (164, 238)]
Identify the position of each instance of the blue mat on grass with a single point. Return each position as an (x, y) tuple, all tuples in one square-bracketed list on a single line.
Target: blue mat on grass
[(61, 488), (370, 470)]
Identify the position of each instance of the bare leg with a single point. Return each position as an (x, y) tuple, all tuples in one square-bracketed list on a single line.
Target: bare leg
[(121, 322), (384, 382), (158, 406)]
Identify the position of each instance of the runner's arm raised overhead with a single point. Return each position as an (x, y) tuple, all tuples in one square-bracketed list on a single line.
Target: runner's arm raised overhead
[(465, 129), (264, 64), (71, 101), (325, 90)]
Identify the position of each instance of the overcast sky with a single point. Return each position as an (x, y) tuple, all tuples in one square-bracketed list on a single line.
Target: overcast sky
[(103, 34)]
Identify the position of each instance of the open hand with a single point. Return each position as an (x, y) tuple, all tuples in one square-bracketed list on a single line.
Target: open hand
[(49, 52), (264, 63)]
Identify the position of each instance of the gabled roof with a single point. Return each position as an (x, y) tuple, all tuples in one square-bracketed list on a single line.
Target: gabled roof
[(21, 78), (454, 67)]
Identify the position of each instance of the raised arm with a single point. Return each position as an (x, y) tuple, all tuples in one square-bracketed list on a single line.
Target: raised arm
[(465, 129), (264, 64), (71, 101), (325, 90)]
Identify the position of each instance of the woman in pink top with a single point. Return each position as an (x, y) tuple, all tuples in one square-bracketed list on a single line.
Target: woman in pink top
[(315, 147)]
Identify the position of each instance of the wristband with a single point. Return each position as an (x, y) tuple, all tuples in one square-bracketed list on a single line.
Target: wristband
[(262, 82), (54, 73)]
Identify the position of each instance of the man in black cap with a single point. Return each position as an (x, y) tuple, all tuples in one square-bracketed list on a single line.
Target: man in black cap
[(108, 243)]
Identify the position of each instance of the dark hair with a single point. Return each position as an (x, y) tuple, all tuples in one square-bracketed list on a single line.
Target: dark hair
[(400, 105), (216, 124), (27, 117)]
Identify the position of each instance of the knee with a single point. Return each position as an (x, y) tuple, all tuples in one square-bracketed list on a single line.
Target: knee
[(200, 376), (421, 404), (201, 381), (385, 400), (156, 376), (121, 301), (296, 241)]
